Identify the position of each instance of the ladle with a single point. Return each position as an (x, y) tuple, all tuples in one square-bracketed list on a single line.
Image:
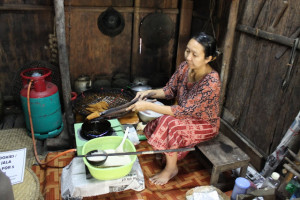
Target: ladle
[(104, 155), (120, 147)]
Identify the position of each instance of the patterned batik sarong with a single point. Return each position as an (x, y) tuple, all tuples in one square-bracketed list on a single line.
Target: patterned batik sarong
[(167, 132)]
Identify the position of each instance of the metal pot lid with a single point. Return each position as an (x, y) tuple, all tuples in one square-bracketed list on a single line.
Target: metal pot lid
[(156, 30), (139, 88), (111, 22)]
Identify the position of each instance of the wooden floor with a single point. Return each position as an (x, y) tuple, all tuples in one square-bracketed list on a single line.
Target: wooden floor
[(13, 118)]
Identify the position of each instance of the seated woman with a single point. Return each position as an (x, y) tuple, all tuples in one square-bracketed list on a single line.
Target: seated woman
[(196, 87)]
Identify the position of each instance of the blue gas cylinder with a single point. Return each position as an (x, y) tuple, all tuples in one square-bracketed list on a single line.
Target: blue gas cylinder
[(44, 103)]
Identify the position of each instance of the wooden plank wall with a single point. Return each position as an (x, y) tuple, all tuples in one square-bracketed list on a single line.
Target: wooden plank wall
[(260, 109), (93, 53), (24, 37), (25, 29)]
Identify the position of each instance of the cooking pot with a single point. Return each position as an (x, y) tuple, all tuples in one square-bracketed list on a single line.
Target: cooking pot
[(140, 81), (82, 83), (102, 81)]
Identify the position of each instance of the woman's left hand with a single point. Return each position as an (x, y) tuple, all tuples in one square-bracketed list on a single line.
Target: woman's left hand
[(140, 106)]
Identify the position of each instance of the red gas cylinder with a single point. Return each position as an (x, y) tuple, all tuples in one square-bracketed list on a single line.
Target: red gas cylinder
[(44, 103)]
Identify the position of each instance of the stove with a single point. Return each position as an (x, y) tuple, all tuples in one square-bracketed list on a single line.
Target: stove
[(80, 141)]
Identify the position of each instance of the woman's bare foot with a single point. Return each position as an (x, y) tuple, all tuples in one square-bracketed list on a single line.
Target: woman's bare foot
[(164, 176)]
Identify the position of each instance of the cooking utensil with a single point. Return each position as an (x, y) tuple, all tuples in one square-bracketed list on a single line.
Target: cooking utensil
[(82, 83), (107, 143), (156, 30), (138, 88), (113, 112), (91, 129), (102, 153), (111, 22), (120, 147), (140, 81), (149, 115), (109, 95)]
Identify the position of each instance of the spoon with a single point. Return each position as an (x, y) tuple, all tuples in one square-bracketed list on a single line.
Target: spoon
[(120, 147)]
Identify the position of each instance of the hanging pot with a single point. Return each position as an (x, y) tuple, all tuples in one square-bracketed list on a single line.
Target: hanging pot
[(111, 22), (102, 81)]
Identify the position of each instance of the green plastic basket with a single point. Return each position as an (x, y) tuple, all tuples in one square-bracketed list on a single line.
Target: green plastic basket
[(108, 142)]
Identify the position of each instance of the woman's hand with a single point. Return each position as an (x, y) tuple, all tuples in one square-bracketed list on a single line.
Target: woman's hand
[(141, 95), (140, 106)]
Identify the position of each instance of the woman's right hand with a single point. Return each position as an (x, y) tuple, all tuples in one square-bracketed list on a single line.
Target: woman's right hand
[(141, 95)]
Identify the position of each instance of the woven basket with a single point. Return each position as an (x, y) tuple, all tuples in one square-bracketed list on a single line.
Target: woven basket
[(199, 189), (30, 187)]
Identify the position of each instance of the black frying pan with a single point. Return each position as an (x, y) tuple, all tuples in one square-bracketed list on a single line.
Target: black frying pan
[(91, 129)]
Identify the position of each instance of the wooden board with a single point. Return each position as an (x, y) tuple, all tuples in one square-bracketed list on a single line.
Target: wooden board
[(222, 151), (24, 38), (262, 109), (92, 52), (130, 118)]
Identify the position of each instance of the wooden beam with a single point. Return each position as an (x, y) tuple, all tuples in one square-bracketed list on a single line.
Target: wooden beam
[(227, 49), (24, 7), (267, 35), (124, 9), (135, 38), (64, 66), (184, 34)]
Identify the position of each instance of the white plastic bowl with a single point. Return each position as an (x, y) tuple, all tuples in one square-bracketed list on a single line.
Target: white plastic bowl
[(149, 115)]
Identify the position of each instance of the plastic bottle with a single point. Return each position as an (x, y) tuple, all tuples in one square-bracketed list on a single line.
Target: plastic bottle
[(240, 187), (296, 194), (271, 181), (292, 185)]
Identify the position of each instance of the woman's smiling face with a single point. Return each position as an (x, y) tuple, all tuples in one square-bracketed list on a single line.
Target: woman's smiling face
[(195, 55)]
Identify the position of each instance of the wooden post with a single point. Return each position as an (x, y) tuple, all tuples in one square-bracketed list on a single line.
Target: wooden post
[(64, 65), (135, 38), (184, 34), (227, 50)]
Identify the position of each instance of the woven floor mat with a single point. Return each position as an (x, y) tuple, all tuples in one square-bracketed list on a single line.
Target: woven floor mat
[(14, 139), (29, 188), (191, 174), (18, 138)]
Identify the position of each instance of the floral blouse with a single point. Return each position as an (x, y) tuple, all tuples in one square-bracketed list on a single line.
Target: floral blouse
[(198, 100)]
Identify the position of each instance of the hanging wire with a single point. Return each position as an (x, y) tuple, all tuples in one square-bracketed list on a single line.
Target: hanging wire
[(211, 9)]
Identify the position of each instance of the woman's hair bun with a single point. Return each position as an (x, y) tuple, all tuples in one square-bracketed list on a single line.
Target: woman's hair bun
[(209, 44)]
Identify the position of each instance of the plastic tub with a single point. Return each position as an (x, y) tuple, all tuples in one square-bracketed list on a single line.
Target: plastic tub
[(109, 142)]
